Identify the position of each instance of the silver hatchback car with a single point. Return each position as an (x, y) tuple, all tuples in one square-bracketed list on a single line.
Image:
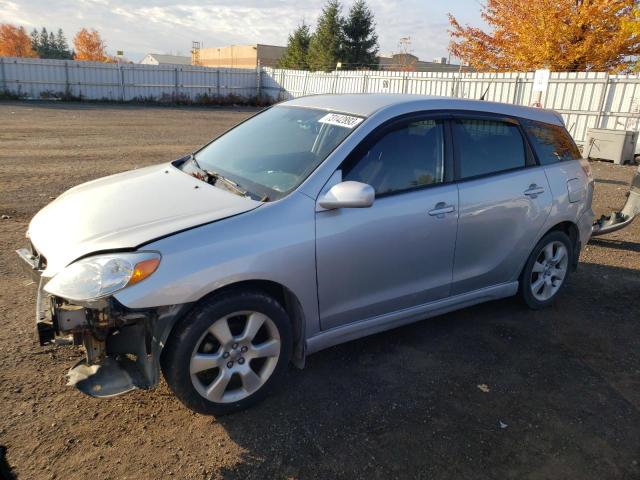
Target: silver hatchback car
[(315, 222)]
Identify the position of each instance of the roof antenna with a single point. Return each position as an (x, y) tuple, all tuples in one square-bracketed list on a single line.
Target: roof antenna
[(485, 92)]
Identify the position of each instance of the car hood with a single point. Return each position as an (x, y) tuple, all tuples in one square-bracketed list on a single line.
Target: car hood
[(125, 210)]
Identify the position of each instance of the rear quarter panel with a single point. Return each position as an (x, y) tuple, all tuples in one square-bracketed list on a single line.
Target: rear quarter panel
[(563, 209)]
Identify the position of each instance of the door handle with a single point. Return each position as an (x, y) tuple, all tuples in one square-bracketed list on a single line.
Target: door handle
[(533, 191), (441, 209)]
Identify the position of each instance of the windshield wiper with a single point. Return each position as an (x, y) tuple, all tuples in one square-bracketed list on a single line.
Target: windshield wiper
[(231, 185)]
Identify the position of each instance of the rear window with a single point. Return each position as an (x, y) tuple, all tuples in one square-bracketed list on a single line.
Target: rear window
[(552, 143), (487, 146)]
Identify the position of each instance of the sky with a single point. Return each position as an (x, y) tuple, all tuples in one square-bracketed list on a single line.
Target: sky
[(163, 26)]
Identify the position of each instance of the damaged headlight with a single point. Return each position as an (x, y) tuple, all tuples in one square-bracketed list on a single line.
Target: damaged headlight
[(102, 275)]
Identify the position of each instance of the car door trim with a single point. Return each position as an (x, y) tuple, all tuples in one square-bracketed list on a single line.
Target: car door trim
[(530, 158), (389, 125), (380, 323)]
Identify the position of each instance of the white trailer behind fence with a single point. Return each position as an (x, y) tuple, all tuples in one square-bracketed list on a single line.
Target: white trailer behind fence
[(585, 99)]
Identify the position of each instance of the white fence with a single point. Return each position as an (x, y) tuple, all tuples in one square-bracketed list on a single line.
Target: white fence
[(35, 78), (585, 99)]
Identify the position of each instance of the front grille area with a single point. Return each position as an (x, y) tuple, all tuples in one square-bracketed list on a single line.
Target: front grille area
[(42, 261)]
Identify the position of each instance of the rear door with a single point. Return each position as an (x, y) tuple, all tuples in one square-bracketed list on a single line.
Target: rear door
[(504, 201)]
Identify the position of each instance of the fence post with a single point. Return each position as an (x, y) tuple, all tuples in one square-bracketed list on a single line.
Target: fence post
[(281, 93), (121, 72), (217, 82), (404, 84), (515, 89), (4, 78), (365, 82), (67, 87), (175, 84), (304, 85), (603, 97), (335, 81), (258, 80)]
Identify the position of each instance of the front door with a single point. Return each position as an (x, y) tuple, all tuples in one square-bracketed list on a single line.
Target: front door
[(398, 253)]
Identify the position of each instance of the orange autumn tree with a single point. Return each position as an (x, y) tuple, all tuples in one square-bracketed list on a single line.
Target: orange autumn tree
[(89, 47), (563, 35), (14, 42)]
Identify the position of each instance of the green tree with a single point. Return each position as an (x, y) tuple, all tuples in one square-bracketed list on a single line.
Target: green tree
[(325, 47), (43, 48), (295, 56), (360, 38), (49, 45), (62, 47)]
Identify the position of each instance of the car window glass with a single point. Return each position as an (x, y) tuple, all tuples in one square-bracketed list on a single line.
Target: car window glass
[(273, 152), (406, 157), (487, 146), (552, 143)]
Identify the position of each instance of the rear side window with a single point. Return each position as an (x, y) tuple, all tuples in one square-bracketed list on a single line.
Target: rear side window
[(487, 146), (552, 143), (409, 156)]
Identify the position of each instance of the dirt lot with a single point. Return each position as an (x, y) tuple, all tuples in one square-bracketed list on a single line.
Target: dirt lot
[(564, 384)]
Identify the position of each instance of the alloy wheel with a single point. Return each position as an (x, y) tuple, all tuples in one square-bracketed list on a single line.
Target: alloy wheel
[(549, 271), (235, 356)]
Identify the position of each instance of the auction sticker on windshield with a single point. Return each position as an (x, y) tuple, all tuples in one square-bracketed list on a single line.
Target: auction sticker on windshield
[(347, 121)]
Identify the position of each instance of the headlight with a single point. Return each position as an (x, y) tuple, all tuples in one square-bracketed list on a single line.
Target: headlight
[(102, 275)]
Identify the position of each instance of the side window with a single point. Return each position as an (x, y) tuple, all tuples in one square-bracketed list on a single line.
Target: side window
[(552, 143), (487, 146), (409, 156)]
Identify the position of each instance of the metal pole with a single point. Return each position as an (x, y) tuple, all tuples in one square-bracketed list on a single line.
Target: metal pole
[(4, 78), (304, 85), (515, 89), (175, 88), (67, 87), (121, 72), (603, 97), (258, 80)]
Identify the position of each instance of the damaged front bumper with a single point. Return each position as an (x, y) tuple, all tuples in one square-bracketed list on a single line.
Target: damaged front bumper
[(122, 346), (619, 220)]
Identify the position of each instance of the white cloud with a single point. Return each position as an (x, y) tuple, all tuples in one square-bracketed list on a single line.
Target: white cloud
[(140, 26)]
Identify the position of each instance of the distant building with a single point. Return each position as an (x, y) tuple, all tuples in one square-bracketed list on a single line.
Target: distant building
[(240, 56), (411, 63), (158, 59)]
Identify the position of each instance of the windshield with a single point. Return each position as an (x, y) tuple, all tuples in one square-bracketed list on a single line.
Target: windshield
[(270, 154)]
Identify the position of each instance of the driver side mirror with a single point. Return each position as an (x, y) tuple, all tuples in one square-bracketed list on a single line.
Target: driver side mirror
[(348, 194)]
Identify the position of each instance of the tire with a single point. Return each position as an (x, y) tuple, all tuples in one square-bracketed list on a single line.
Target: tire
[(218, 371), (545, 276)]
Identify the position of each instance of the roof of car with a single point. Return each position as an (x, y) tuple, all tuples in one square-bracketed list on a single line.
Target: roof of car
[(366, 104)]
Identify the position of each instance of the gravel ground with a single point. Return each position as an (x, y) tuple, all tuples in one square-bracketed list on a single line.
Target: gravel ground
[(560, 394)]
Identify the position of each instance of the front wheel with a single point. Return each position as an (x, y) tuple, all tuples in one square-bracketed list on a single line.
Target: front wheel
[(227, 353), (547, 270)]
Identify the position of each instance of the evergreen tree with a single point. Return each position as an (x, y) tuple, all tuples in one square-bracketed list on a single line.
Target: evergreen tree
[(360, 38), (48, 45), (44, 49), (325, 46), (295, 56), (35, 40), (62, 47), (53, 51)]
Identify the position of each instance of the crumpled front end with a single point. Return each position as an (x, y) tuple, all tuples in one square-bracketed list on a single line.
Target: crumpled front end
[(122, 346)]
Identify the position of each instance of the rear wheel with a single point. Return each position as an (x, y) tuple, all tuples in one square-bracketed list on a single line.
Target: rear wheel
[(547, 270), (228, 352)]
